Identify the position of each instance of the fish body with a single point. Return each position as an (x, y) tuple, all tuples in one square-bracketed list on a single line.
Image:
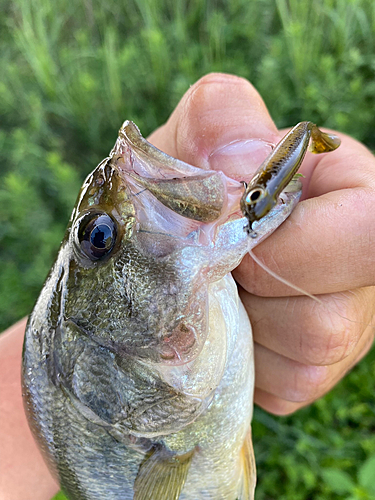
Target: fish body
[(138, 369)]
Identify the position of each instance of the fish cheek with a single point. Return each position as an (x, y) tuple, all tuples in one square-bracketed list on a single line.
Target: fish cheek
[(138, 305), (93, 296), (96, 385)]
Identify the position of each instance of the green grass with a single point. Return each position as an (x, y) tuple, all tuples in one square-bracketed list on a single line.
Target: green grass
[(73, 71)]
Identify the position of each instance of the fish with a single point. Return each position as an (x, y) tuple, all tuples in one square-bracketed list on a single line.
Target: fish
[(138, 362), (277, 170)]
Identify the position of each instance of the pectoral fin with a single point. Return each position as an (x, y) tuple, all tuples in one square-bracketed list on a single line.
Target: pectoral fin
[(162, 476), (248, 480)]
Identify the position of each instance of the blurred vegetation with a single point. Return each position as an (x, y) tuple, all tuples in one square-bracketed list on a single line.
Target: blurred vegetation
[(73, 71)]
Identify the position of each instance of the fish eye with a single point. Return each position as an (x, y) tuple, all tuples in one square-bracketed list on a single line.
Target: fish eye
[(254, 195), (97, 235)]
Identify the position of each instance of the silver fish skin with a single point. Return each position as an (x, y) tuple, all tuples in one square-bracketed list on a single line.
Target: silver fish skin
[(138, 371)]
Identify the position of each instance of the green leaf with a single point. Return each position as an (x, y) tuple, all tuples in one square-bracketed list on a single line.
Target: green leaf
[(339, 481), (59, 496), (366, 474)]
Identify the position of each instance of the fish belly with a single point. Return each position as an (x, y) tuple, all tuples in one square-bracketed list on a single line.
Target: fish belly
[(90, 464), (216, 468)]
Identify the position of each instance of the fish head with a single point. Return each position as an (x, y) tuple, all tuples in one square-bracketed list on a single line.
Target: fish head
[(147, 236), (137, 251)]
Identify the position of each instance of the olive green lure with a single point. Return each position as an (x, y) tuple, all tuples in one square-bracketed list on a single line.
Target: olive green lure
[(278, 169)]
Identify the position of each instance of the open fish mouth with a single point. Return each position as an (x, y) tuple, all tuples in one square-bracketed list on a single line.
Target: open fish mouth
[(148, 233)]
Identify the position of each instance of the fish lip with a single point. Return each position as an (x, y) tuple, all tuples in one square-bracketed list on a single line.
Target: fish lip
[(285, 205)]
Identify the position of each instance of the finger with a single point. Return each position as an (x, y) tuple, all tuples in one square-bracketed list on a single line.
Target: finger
[(220, 123), (325, 246), (352, 166), (274, 404), (283, 385), (20, 457), (308, 332)]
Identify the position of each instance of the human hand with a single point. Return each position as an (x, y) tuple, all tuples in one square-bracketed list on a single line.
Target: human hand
[(302, 349), (23, 473)]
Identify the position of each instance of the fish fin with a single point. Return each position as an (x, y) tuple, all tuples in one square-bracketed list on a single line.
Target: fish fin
[(162, 476), (248, 480)]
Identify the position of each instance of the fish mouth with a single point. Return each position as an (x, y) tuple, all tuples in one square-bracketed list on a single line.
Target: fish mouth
[(285, 204), (198, 195), (159, 304)]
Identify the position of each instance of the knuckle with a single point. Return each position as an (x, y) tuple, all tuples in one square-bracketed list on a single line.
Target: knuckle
[(333, 339), (308, 383)]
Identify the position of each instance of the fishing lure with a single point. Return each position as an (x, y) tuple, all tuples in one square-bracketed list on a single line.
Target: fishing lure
[(277, 170)]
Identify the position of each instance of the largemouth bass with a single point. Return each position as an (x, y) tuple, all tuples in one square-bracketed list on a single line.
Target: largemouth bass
[(138, 369)]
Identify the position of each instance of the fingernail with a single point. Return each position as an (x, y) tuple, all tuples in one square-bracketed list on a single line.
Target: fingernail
[(239, 159)]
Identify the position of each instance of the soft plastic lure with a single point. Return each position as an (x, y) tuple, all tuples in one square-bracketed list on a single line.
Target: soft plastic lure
[(278, 169)]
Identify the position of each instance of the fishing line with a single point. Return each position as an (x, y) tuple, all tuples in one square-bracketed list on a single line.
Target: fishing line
[(283, 280), (301, 290)]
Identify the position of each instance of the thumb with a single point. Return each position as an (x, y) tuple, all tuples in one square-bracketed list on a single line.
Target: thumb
[(221, 123)]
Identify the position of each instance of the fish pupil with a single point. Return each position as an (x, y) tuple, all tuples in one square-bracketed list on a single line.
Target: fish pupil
[(97, 235), (254, 195), (101, 236)]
